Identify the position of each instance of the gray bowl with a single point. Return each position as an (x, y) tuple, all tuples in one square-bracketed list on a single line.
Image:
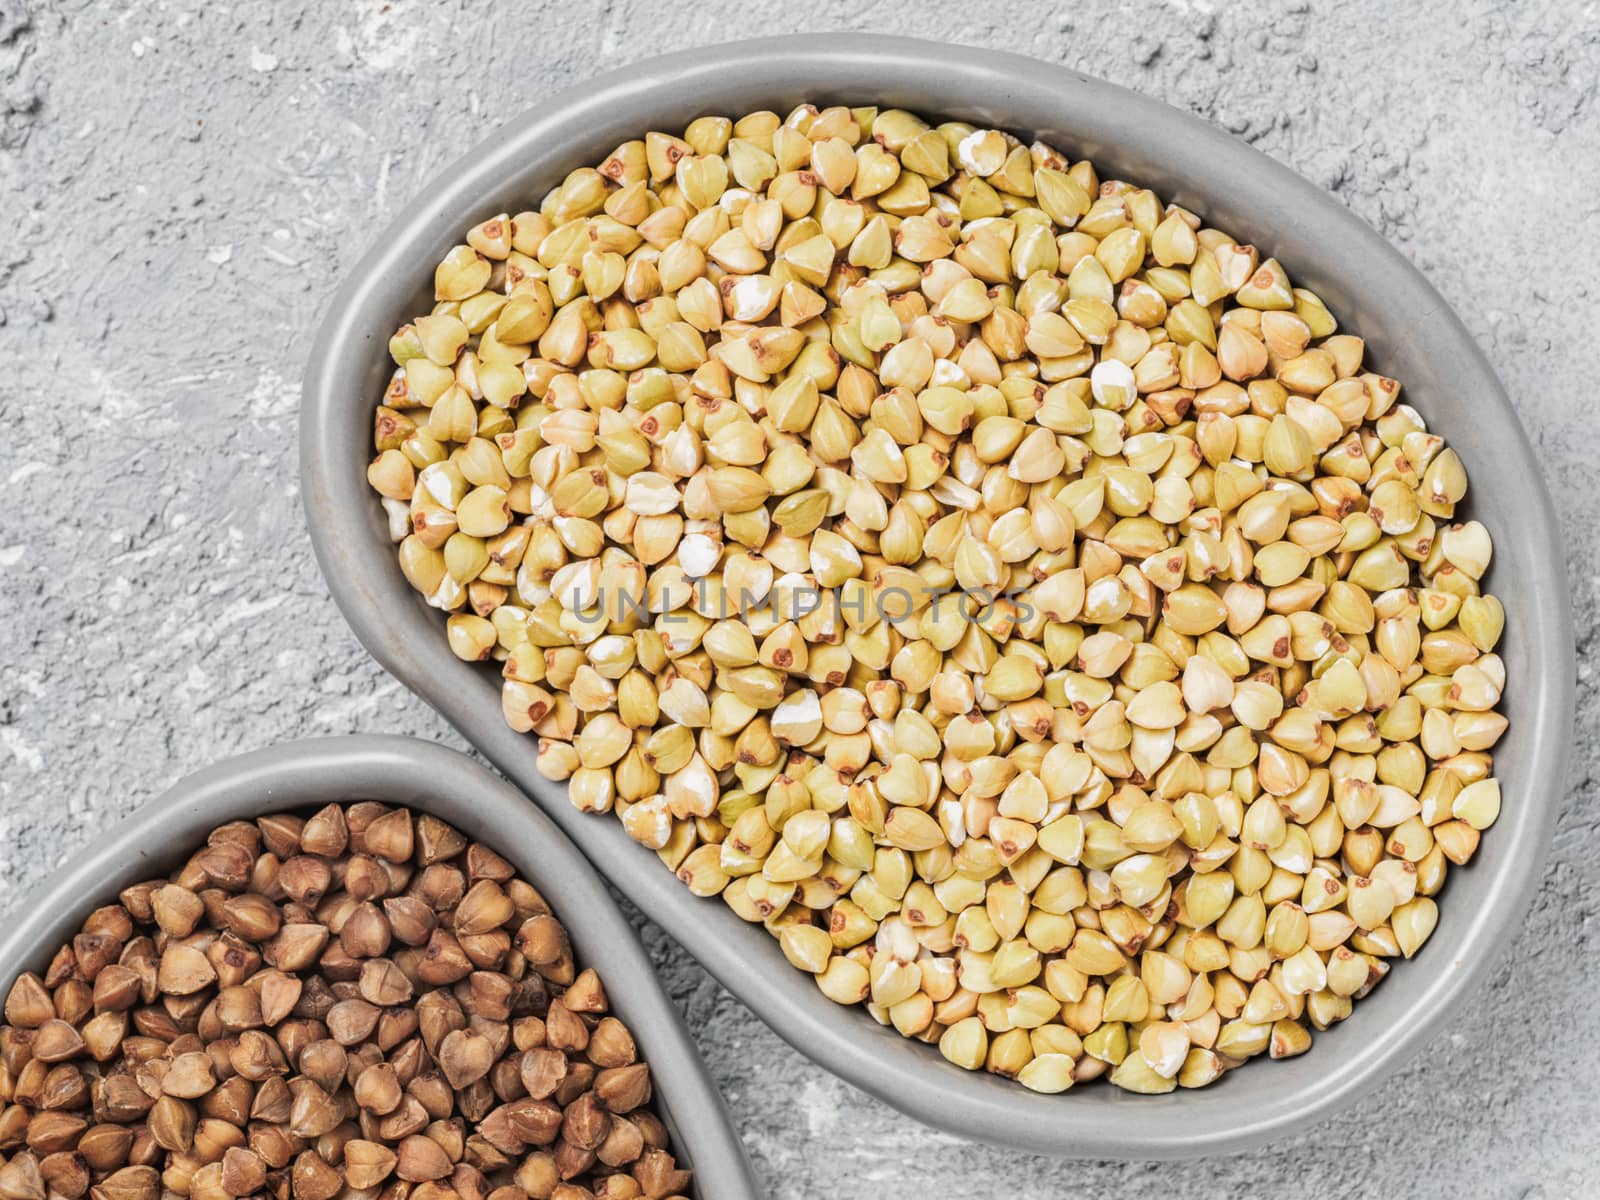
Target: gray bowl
[(428, 778), (1411, 335)]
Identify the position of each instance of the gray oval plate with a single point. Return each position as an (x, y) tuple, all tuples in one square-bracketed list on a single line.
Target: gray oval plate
[(1411, 334), (429, 778)]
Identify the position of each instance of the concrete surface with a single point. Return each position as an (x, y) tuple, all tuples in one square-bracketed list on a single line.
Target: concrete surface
[(181, 184)]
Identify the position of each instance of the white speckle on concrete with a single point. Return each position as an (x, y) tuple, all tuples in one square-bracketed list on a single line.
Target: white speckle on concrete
[(217, 255), (142, 637), (112, 402), (261, 61), (386, 33), (273, 396), (17, 746), (819, 1106), (380, 189)]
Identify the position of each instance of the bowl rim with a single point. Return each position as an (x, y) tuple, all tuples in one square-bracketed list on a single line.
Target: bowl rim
[(1190, 162), (424, 777)]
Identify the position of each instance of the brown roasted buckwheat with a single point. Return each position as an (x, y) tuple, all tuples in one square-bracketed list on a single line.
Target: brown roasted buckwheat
[(360, 1004)]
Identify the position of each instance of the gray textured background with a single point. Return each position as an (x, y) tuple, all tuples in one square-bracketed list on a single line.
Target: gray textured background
[(182, 184)]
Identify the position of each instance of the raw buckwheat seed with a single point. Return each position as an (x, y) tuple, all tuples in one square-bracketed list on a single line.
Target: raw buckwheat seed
[(1012, 592)]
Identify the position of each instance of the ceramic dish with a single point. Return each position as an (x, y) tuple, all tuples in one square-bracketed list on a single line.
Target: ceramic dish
[(1411, 334), (428, 778)]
